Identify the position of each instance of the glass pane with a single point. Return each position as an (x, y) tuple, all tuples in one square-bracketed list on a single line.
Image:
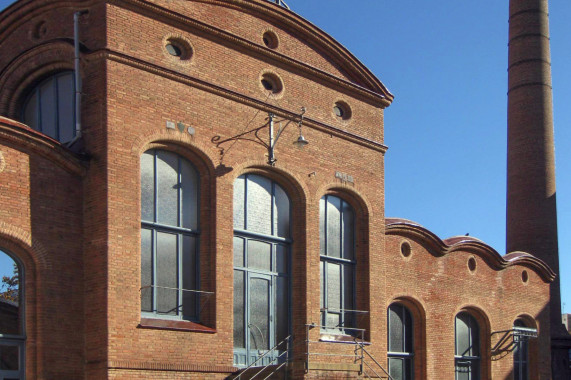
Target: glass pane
[(259, 255), (282, 311), (395, 329), (239, 309), (167, 188), (281, 259), (9, 296), (9, 357), (48, 108), (189, 195), (238, 252), (259, 204), (475, 337), (348, 294), (408, 368), (322, 277), (31, 112), (463, 370), (462, 335), (282, 213), (239, 202), (333, 321), (348, 231), (146, 270), (189, 280), (333, 226), (167, 273), (259, 314), (408, 329), (148, 186), (66, 108), (396, 369), (334, 286), (322, 225)]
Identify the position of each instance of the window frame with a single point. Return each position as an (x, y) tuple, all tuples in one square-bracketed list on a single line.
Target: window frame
[(18, 340), (348, 323), (405, 356), (475, 361), (35, 93), (521, 349), (180, 232)]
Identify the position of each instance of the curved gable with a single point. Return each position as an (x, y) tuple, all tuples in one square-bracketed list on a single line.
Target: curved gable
[(403, 227)]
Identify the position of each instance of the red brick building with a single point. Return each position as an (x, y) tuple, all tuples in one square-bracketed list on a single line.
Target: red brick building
[(165, 226)]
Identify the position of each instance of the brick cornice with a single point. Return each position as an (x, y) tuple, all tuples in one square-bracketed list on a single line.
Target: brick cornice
[(374, 91), (403, 227), (161, 366), (234, 96)]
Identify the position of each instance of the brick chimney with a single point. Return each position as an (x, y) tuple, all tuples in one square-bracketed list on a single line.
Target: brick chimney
[(531, 206)]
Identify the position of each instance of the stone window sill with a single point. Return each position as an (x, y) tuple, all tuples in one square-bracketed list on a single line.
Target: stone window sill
[(165, 324)]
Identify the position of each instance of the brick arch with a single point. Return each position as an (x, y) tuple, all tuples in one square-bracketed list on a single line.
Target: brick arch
[(20, 242), (353, 196), (28, 69), (291, 183)]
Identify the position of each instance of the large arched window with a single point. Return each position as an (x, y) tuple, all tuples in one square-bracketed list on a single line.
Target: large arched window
[(169, 236), (262, 240), (467, 350), (400, 355), (521, 354), (12, 337), (337, 252), (50, 107)]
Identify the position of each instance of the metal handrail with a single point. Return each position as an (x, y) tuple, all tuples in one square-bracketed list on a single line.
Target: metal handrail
[(286, 339), (364, 351), (184, 290)]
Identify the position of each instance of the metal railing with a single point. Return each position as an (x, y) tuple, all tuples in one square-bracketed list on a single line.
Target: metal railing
[(202, 296), (283, 356), (360, 346)]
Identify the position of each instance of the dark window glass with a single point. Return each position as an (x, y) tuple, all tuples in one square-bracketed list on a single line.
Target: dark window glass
[(50, 107), (467, 347), (400, 353), (521, 354), (169, 235), (337, 226)]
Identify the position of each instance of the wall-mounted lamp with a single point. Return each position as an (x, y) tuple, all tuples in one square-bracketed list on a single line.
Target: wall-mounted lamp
[(300, 142)]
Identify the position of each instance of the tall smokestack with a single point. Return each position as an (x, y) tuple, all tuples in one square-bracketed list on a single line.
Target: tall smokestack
[(531, 206)]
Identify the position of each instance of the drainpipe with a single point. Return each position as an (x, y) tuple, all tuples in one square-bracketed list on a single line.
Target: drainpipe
[(77, 76)]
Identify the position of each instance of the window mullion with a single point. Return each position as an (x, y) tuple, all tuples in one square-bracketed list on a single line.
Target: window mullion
[(56, 97), (154, 270)]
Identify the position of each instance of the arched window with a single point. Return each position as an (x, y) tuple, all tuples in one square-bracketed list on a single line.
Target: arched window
[(521, 354), (12, 337), (50, 107), (467, 358), (337, 252), (169, 236), (262, 240), (400, 355)]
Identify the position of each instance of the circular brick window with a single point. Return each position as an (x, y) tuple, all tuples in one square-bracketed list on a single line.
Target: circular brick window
[(270, 39), (472, 264), (342, 111), (178, 48), (405, 249), (271, 83), (524, 276)]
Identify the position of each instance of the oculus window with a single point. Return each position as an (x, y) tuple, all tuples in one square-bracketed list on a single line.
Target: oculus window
[(169, 236), (400, 355), (337, 267), (467, 347), (50, 107), (12, 337)]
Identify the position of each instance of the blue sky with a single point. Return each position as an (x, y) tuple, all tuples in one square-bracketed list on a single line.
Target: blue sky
[(446, 63)]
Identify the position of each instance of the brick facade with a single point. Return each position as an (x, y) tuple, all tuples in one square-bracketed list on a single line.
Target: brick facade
[(72, 217)]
